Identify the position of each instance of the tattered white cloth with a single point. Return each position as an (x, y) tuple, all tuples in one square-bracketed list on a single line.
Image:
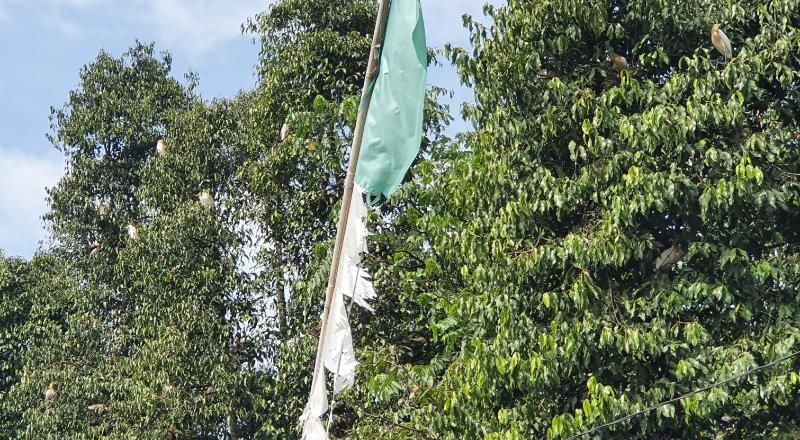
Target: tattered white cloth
[(337, 349)]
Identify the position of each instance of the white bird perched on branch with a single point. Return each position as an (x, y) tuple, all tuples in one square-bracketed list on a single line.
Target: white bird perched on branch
[(206, 199), (133, 233), (721, 42), (669, 257), (284, 131), (161, 147), (103, 210), (96, 248), (50, 394)]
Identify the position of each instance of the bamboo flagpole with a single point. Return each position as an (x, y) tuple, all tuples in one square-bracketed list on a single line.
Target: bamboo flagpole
[(386, 139), (310, 430)]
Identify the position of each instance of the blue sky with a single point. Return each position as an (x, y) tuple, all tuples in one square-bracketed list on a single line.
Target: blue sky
[(44, 43)]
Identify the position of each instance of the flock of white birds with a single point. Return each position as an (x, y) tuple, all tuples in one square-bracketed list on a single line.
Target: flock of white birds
[(204, 197)]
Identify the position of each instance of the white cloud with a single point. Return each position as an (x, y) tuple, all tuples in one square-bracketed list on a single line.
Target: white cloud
[(23, 178), (5, 17), (196, 27), (443, 20), (199, 26)]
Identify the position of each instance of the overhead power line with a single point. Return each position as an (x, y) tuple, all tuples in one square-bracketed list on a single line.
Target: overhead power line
[(684, 396)]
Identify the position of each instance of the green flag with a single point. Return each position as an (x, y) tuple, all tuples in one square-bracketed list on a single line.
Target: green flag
[(393, 129)]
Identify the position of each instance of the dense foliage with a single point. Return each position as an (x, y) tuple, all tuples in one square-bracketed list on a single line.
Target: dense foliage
[(608, 237), (540, 244), (14, 314)]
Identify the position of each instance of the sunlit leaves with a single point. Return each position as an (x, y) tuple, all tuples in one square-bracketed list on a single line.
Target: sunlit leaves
[(548, 225)]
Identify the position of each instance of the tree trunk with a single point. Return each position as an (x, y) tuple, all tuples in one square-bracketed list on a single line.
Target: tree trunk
[(234, 432), (280, 304)]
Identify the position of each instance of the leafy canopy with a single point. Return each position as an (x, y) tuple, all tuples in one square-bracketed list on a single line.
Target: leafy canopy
[(535, 254)]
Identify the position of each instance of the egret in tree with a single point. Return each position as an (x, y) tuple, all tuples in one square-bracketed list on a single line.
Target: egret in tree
[(133, 233), (284, 131), (669, 257), (721, 42), (103, 210), (161, 147), (96, 248), (206, 199), (50, 394)]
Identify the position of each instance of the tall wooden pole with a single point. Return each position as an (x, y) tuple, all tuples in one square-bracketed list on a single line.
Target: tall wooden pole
[(358, 134)]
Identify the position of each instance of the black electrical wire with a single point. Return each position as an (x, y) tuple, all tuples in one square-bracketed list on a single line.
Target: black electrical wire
[(690, 394)]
